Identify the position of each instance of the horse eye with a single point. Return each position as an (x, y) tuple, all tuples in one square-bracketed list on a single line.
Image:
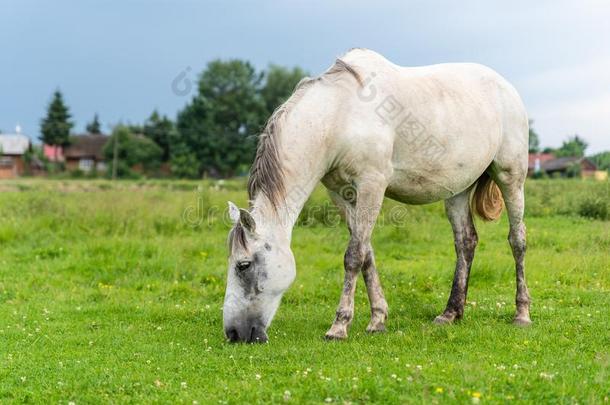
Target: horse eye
[(243, 265)]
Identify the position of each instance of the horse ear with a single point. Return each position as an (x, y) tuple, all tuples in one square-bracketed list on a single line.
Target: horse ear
[(233, 212), (242, 216), (246, 220)]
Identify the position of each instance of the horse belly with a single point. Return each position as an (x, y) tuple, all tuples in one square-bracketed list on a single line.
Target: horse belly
[(434, 167), (415, 188)]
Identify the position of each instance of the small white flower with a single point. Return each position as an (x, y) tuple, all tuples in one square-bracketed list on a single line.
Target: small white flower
[(258, 376), (183, 385), (328, 400)]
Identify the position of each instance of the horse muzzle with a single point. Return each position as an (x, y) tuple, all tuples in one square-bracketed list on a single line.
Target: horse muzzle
[(249, 332)]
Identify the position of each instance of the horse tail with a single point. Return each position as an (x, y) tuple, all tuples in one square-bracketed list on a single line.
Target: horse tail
[(486, 199)]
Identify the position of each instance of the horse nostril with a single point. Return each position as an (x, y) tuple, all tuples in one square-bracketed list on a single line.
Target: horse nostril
[(232, 335), (257, 335)]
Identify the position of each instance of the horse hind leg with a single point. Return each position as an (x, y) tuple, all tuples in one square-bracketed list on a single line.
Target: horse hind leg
[(465, 240), (513, 192)]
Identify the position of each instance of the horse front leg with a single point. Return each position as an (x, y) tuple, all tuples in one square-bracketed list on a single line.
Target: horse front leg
[(379, 306), (352, 262), (361, 212)]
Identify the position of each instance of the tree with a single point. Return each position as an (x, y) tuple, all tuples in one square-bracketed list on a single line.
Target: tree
[(601, 160), (94, 127), (159, 129), (184, 162), (279, 85), (132, 150), (534, 139), (55, 127), (573, 146), (219, 125), (548, 149)]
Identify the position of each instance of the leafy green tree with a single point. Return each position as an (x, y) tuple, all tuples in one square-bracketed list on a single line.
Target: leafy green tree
[(548, 149), (94, 127), (601, 160), (132, 149), (219, 125), (55, 127), (159, 129), (184, 162), (279, 85), (573, 146), (534, 139)]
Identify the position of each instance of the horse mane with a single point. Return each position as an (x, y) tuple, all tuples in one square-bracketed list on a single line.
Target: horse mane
[(266, 173)]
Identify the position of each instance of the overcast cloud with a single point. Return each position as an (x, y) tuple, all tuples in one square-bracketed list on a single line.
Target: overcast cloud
[(119, 57)]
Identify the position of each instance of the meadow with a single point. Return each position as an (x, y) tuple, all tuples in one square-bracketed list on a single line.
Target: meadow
[(112, 292)]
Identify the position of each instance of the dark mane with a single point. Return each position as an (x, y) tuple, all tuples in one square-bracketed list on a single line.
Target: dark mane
[(266, 173)]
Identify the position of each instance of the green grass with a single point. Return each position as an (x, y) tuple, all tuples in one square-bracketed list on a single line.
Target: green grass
[(108, 295)]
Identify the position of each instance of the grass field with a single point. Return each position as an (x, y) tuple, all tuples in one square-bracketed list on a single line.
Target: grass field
[(109, 293)]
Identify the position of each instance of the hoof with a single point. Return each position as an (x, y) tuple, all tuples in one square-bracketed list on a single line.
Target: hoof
[(443, 320), (376, 328), (521, 321), (335, 336), (336, 333)]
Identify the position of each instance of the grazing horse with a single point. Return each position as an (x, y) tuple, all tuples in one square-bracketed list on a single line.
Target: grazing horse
[(366, 129)]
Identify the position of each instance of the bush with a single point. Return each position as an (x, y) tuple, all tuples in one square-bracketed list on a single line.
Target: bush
[(594, 209)]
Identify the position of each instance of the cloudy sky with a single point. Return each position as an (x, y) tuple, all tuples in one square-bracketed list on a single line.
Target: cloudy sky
[(119, 57)]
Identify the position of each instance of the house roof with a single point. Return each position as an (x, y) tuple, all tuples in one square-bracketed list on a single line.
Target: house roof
[(563, 163), (14, 144), (541, 157), (86, 146)]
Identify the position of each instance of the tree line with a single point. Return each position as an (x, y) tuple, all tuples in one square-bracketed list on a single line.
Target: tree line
[(215, 134)]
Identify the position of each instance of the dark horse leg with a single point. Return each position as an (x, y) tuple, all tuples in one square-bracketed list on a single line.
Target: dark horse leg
[(465, 240), (361, 211)]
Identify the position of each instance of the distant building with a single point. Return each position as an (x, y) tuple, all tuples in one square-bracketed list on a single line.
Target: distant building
[(561, 166), (553, 166), (13, 147), (85, 152), (535, 161), (53, 153)]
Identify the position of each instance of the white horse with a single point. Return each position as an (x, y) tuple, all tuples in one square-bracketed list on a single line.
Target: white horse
[(368, 128)]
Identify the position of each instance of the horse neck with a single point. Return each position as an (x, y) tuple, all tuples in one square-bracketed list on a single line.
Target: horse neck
[(303, 164)]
